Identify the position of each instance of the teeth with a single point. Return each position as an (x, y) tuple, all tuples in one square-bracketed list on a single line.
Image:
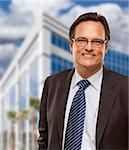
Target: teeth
[(88, 54)]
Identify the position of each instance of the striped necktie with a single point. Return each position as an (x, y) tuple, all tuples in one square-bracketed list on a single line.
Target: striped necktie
[(75, 125)]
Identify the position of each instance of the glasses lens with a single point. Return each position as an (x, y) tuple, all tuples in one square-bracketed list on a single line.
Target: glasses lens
[(97, 42), (81, 42)]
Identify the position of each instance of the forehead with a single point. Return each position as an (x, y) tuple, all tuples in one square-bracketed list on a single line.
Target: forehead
[(90, 28)]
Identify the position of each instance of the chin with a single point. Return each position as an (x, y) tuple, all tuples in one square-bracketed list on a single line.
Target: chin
[(88, 64)]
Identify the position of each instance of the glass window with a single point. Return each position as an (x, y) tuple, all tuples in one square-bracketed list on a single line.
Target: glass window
[(23, 91), (60, 64), (33, 77), (5, 125), (118, 62), (28, 53), (12, 98), (60, 42)]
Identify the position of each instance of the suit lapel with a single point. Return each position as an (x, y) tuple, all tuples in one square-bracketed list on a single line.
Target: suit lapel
[(64, 87), (105, 106)]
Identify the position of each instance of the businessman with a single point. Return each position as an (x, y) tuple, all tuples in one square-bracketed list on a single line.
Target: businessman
[(85, 108)]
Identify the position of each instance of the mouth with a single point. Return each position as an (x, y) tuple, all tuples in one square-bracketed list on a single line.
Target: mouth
[(89, 55)]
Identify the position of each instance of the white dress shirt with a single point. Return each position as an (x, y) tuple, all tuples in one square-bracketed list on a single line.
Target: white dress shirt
[(92, 95)]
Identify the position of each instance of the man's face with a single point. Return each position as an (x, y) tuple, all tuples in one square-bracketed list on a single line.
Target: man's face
[(90, 55)]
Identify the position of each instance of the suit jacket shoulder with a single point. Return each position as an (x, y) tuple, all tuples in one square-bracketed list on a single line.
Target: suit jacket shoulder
[(60, 76), (112, 122), (52, 110), (116, 80)]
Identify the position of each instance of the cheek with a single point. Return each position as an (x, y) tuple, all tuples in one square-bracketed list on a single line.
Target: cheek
[(101, 53), (73, 49), (75, 52), (104, 55)]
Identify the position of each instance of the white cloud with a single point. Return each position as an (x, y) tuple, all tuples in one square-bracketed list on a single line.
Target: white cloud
[(115, 15), (10, 33), (12, 22), (23, 14), (2, 70), (7, 51), (37, 7), (117, 19)]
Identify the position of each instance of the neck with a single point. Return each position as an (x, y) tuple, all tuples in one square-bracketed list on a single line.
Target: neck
[(87, 72)]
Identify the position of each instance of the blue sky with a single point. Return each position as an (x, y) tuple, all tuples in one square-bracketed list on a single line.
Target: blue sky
[(17, 15), (122, 3), (4, 4)]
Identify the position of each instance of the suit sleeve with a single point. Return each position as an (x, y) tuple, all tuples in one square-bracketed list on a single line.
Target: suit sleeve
[(43, 129)]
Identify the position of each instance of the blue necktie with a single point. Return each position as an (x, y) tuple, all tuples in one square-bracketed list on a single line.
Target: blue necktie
[(75, 125)]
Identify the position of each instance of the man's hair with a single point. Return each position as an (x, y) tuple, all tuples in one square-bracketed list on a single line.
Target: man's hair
[(91, 16)]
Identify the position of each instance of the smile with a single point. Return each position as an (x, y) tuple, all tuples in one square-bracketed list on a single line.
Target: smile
[(88, 54)]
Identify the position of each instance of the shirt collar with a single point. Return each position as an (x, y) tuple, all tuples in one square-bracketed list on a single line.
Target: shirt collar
[(95, 79)]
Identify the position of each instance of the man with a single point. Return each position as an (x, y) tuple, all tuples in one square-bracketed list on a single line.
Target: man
[(100, 121)]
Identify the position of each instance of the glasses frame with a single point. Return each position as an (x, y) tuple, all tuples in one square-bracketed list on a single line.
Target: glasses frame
[(91, 41)]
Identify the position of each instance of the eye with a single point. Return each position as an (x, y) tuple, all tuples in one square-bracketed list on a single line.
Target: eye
[(81, 40), (97, 41)]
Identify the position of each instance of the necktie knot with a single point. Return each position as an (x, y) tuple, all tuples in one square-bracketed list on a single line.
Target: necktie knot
[(83, 84)]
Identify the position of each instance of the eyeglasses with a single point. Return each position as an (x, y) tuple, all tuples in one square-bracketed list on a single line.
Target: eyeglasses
[(82, 42)]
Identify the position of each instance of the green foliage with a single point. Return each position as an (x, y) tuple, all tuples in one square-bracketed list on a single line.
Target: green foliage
[(34, 103), (12, 116), (23, 114)]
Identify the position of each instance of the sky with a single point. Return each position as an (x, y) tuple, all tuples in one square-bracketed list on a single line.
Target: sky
[(18, 16)]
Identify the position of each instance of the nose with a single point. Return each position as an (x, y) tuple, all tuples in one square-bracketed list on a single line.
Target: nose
[(88, 46)]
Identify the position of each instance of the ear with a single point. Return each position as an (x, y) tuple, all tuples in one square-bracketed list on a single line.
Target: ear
[(106, 48), (71, 45)]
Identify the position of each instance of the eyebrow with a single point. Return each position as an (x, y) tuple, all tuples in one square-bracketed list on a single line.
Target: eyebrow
[(91, 39)]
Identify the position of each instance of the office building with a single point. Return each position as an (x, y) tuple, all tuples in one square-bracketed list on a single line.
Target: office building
[(45, 51)]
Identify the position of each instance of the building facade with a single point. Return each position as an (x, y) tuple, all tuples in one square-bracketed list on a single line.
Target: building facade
[(44, 52)]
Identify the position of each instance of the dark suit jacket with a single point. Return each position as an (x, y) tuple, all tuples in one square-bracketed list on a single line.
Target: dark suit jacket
[(112, 121)]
